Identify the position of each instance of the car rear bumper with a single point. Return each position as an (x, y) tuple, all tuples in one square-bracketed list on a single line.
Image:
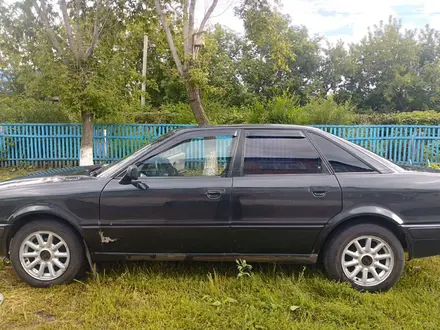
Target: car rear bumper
[(424, 240)]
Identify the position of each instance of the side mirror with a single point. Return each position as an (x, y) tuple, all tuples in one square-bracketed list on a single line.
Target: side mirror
[(131, 175), (132, 172)]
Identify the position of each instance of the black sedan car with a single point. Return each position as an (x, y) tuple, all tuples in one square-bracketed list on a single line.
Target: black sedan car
[(261, 193)]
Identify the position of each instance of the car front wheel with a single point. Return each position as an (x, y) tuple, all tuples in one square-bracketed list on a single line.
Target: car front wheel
[(46, 253), (368, 256)]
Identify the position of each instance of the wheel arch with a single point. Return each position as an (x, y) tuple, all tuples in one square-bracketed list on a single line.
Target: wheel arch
[(22, 217), (374, 218)]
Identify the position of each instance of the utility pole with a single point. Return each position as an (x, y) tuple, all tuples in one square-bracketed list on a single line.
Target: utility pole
[(144, 69)]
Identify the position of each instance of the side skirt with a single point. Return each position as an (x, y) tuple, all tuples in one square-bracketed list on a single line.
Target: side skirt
[(279, 258)]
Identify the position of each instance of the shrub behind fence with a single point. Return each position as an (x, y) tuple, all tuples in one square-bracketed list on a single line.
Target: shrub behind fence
[(55, 145)]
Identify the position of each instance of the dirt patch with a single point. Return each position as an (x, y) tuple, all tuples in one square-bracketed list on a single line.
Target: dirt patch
[(46, 316)]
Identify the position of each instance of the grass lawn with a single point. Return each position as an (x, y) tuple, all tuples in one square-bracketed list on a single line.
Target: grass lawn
[(177, 295)]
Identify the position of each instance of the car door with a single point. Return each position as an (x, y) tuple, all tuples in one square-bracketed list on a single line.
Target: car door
[(181, 203), (283, 194)]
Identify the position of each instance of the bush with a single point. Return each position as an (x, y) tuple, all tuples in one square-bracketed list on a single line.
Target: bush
[(320, 111), (278, 110), (170, 113), (429, 117), (18, 109), (220, 114), (285, 110), (181, 113)]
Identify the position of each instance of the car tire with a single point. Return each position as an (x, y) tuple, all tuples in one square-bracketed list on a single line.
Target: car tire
[(368, 256), (45, 253)]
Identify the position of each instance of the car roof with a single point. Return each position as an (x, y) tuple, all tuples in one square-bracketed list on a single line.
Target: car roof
[(251, 126)]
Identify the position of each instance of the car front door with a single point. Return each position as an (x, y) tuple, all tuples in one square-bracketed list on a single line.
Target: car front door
[(181, 202), (283, 194)]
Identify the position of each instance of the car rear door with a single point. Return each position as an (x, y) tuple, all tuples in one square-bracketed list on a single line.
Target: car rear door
[(180, 205), (283, 194)]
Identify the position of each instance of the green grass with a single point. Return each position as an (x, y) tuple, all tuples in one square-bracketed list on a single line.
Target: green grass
[(176, 295), (6, 174)]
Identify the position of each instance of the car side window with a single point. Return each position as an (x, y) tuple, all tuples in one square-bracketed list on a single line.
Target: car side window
[(340, 160), (280, 155), (202, 156)]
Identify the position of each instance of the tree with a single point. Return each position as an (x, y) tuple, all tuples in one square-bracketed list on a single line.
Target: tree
[(95, 79), (278, 57), (221, 60), (334, 66), (74, 45), (393, 70), (187, 65)]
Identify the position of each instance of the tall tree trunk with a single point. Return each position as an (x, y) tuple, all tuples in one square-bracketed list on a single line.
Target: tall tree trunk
[(196, 105), (211, 162), (87, 140)]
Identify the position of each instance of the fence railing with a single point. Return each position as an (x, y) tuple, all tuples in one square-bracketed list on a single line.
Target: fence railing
[(59, 144)]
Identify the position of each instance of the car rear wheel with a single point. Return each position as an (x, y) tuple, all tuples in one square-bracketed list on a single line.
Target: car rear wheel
[(46, 253), (368, 256)]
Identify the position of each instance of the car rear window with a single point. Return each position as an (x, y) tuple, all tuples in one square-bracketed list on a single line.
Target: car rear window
[(340, 160)]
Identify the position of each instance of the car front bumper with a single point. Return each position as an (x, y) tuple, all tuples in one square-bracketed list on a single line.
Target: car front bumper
[(423, 240)]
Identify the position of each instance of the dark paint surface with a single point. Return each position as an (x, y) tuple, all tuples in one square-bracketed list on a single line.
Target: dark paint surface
[(72, 198), (260, 216), (412, 196), (281, 214), (174, 214)]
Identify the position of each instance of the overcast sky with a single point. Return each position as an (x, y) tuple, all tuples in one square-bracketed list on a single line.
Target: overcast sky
[(339, 19)]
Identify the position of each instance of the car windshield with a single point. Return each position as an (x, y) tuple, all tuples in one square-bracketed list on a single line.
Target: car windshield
[(127, 159)]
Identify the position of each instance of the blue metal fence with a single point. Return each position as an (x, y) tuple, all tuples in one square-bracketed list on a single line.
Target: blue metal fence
[(402, 144), (59, 144)]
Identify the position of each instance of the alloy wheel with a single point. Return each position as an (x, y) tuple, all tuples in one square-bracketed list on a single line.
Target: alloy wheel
[(44, 255), (367, 260)]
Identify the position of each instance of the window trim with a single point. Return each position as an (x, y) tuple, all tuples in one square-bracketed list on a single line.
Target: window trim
[(279, 133), (169, 144), (295, 133), (374, 170)]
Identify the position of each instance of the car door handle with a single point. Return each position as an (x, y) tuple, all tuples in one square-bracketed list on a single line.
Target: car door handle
[(214, 193), (319, 191)]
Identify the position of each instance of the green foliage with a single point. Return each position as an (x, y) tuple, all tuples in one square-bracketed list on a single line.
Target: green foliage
[(418, 118), (285, 109), (429, 117), (393, 70), (434, 166), (106, 84), (179, 113), (321, 111), (170, 113), (275, 72), (278, 110), (221, 114), (275, 56), (268, 30), (198, 77), (244, 269), (16, 109)]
